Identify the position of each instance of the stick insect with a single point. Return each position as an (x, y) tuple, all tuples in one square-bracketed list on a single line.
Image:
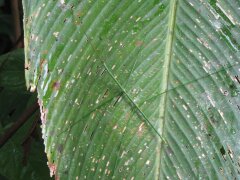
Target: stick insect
[(126, 94)]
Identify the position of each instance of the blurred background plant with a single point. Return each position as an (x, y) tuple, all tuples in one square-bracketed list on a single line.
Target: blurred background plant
[(21, 147)]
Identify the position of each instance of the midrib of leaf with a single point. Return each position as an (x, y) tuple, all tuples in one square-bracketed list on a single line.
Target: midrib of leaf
[(165, 77)]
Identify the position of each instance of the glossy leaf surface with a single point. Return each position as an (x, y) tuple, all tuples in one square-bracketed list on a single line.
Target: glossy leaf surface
[(136, 89)]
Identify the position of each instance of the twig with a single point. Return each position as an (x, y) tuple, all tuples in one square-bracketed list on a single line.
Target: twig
[(23, 118), (16, 21), (28, 141), (18, 43), (33, 127)]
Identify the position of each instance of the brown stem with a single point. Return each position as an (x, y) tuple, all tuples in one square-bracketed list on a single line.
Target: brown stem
[(28, 140), (16, 21), (13, 129), (18, 43), (33, 127)]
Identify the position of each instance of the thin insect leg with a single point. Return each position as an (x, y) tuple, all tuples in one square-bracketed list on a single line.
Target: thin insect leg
[(237, 78), (190, 82), (118, 98)]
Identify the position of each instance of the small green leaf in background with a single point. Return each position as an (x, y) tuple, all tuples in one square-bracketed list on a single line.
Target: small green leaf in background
[(111, 73), (12, 71)]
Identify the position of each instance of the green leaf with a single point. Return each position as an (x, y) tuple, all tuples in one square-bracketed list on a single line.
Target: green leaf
[(12, 71), (13, 93), (136, 89), (13, 155), (17, 163)]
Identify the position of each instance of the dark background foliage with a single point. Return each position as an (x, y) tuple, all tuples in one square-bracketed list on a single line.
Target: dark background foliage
[(21, 146)]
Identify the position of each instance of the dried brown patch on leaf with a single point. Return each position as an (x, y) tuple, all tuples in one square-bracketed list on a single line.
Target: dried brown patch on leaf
[(27, 65), (52, 167), (45, 52), (139, 43), (56, 85), (42, 62), (43, 112), (141, 129)]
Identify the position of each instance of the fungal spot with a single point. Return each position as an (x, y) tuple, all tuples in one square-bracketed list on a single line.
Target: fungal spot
[(223, 152), (138, 43), (56, 85)]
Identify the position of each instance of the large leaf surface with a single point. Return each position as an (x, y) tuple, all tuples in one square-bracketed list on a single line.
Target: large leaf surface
[(136, 89)]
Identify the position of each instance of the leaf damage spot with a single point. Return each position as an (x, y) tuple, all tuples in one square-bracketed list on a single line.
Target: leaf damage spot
[(52, 167), (56, 85), (223, 152), (141, 129), (42, 62), (138, 43), (43, 112), (27, 65)]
